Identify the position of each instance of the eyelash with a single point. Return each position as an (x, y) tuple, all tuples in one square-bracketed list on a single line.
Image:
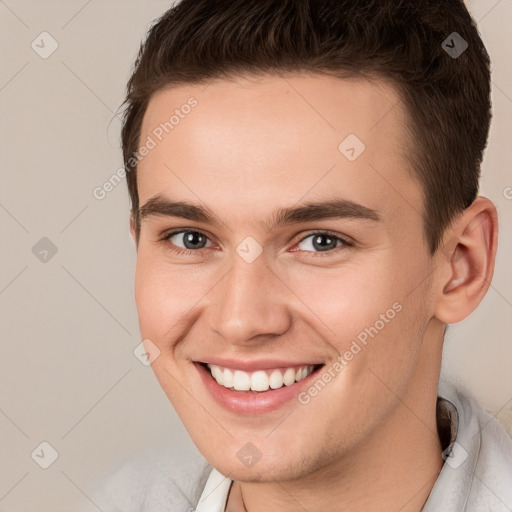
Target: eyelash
[(188, 252)]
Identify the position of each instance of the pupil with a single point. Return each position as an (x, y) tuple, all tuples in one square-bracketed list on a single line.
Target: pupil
[(190, 238), (319, 245)]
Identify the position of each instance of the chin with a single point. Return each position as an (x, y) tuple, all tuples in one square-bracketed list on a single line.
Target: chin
[(270, 470)]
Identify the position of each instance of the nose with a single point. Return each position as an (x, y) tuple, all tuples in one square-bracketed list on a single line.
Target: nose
[(250, 304)]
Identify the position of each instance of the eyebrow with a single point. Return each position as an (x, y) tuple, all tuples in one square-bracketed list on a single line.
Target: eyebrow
[(308, 212)]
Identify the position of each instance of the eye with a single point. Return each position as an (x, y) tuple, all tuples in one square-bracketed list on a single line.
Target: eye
[(323, 241), (192, 240)]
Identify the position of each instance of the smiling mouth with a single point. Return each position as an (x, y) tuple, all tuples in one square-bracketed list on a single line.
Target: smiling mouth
[(259, 381)]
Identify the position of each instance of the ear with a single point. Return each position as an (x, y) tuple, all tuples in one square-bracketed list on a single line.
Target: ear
[(466, 261)]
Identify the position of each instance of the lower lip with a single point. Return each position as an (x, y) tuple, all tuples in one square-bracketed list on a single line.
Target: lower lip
[(252, 403)]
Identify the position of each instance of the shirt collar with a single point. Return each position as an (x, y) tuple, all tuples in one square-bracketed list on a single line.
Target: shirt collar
[(215, 494)]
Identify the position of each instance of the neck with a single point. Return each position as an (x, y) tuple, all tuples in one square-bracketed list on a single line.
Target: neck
[(394, 469)]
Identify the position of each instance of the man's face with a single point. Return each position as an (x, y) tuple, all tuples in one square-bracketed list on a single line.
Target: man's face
[(264, 300)]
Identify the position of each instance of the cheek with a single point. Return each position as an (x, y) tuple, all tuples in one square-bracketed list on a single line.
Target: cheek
[(372, 315), (342, 302), (164, 295)]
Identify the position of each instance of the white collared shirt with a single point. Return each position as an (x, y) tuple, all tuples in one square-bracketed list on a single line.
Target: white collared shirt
[(215, 494)]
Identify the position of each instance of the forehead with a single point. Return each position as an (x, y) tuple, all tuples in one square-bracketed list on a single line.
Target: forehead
[(248, 142)]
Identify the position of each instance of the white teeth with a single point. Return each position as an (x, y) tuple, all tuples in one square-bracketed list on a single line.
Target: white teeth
[(241, 381), (218, 374), (303, 372), (228, 378), (260, 380), (276, 379), (289, 377)]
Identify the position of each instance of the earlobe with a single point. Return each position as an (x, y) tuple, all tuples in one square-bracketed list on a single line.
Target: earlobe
[(467, 258)]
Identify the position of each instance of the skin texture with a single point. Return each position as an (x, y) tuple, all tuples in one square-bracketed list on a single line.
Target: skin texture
[(368, 440)]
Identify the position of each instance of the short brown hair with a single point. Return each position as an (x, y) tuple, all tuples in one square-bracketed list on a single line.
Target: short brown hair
[(447, 97)]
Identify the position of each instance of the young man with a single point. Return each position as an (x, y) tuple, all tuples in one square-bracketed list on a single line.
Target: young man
[(304, 185)]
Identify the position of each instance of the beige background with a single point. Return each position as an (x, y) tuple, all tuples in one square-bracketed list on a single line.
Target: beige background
[(68, 375)]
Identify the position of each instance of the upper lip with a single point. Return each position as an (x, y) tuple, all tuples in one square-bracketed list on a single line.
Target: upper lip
[(255, 365)]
